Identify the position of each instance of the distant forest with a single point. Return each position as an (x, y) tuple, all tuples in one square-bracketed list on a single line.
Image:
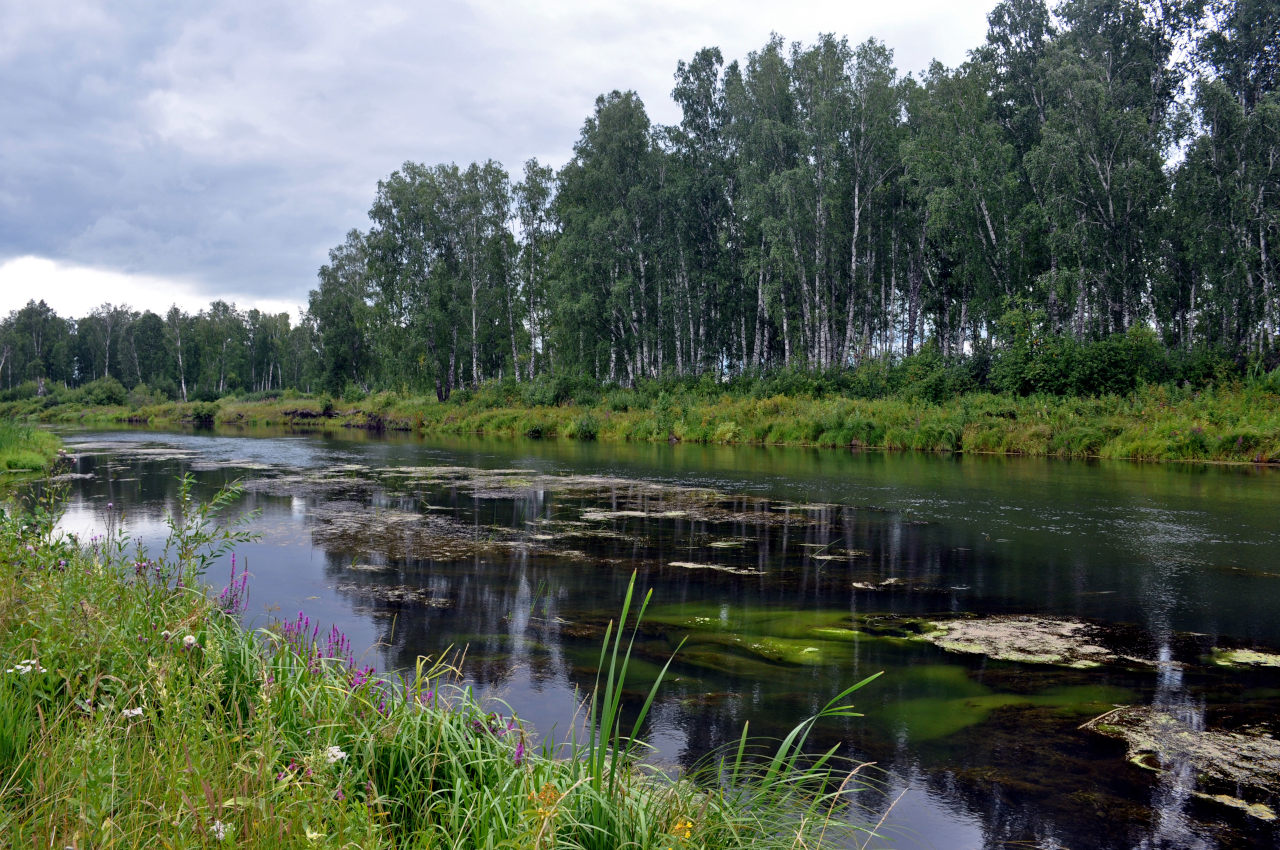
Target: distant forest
[(1103, 170)]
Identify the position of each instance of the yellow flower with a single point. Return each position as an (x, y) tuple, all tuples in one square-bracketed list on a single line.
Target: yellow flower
[(545, 801), (683, 829)]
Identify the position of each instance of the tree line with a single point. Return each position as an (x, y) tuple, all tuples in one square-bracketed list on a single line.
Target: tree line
[(179, 356), (1098, 168)]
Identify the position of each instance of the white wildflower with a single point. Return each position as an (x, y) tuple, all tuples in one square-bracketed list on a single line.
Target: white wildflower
[(132, 712), (189, 641), (26, 666), (334, 754), (218, 830)]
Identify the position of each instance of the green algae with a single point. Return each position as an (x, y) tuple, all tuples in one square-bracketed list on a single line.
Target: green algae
[(1261, 811), (1244, 658), (933, 718)]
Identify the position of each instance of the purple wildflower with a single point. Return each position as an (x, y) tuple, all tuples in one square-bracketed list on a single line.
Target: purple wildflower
[(232, 599)]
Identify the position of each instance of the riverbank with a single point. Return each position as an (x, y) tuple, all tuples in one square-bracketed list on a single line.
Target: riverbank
[(133, 705), (26, 449), (1238, 423)]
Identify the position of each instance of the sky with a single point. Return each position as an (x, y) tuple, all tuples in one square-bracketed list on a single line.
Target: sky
[(172, 153)]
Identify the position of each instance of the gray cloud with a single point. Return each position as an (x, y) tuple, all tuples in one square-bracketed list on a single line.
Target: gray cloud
[(232, 143)]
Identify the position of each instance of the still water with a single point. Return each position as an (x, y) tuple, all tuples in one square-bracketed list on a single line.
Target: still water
[(790, 574)]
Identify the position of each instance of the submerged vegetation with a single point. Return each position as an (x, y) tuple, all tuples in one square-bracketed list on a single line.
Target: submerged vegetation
[(133, 705)]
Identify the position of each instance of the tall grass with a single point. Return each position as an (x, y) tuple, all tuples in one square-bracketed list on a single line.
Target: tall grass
[(1236, 422), (26, 449), (135, 711)]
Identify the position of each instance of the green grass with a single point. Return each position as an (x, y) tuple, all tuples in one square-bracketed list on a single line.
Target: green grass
[(1238, 422), (135, 712), (26, 449)]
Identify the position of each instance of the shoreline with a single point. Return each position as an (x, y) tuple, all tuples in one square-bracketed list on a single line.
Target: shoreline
[(1234, 426), (278, 737)]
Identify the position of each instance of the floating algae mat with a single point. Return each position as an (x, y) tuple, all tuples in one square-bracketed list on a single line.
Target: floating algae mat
[(1245, 658), (402, 514), (1232, 764), (1027, 639)]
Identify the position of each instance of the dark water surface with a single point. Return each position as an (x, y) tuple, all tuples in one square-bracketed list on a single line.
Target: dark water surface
[(791, 573)]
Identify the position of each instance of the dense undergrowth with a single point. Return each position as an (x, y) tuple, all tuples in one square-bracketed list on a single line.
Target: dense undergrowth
[(135, 711)]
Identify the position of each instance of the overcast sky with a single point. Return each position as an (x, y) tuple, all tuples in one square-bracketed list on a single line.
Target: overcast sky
[(176, 152)]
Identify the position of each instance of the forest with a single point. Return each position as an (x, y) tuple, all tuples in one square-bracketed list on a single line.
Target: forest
[(1092, 199)]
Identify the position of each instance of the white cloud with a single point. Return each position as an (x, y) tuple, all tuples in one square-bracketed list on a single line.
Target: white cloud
[(75, 291), (230, 143)]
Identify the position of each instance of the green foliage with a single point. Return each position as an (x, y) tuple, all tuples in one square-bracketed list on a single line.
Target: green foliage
[(814, 225), (203, 413), (104, 391), (26, 449), (198, 531), (585, 427), (144, 396)]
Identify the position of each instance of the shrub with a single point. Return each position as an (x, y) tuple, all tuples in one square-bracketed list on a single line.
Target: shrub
[(144, 396), (25, 390), (104, 391), (585, 427), (203, 413)]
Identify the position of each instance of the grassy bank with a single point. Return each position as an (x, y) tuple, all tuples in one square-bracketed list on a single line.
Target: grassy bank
[(1237, 422), (26, 449), (135, 712)]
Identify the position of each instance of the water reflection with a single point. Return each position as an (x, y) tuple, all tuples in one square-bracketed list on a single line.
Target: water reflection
[(791, 574)]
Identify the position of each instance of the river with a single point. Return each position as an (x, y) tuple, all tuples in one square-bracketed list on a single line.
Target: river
[(790, 573)]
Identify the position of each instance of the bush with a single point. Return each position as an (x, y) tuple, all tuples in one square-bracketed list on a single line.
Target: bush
[(620, 401), (1202, 367), (23, 391), (585, 427), (205, 394), (203, 413), (104, 391), (143, 396)]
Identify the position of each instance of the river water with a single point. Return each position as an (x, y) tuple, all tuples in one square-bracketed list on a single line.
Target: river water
[(790, 574)]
